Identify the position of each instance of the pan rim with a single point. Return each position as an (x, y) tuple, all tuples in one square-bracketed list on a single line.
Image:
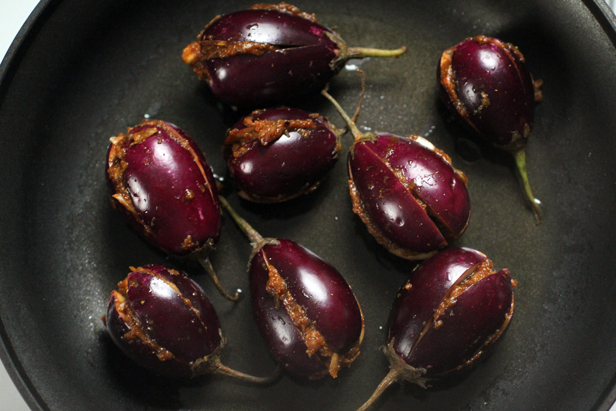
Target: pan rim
[(9, 66)]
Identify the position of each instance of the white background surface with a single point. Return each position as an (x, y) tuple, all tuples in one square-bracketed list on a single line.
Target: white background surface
[(13, 13)]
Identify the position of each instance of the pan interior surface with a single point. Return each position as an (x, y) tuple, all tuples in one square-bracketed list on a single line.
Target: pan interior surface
[(88, 70)]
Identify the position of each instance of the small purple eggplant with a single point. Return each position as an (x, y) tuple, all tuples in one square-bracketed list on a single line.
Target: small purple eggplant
[(406, 191), (162, 182), (452, 308), (280, 153), (485, 82), (269, 54), (305, 310), (163, 321)]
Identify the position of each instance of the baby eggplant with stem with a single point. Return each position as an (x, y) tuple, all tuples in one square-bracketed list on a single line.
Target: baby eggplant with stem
[(269, 54), (305, 310), (161, 181), (485, 82), (452, 308), (277, 154), (406, 191), (162, 320)]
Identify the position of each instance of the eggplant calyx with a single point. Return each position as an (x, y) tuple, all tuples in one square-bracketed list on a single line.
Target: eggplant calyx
[(405, 372), (398, 371), (208, 363)]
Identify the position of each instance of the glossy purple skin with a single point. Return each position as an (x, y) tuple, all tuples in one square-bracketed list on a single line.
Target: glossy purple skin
[(315, 285), (497, 69), (288, 167), (171, 187), (183, 323), (480, 312), (300, 65), (376, 166)]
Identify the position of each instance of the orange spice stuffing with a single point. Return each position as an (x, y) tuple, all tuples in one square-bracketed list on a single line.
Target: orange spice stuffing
[(315, 342), (482, 271), (266, 131)]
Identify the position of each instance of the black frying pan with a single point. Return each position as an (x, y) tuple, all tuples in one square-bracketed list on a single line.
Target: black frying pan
[(86, 70)]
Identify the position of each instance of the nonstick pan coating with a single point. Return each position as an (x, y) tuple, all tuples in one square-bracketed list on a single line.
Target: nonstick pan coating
[(86, 70)]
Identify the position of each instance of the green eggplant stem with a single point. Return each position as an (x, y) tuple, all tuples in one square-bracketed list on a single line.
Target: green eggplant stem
[(356, 133), (219, 368), (393, 376), (207, 266), (252, 234), (520, 161), (363, 52)]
